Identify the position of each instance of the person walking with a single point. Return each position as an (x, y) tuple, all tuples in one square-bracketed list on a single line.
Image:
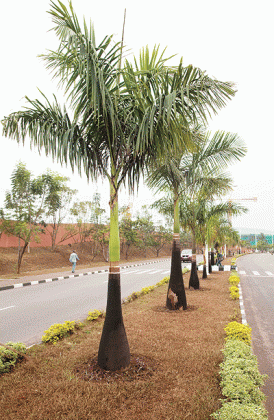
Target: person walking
[(73, 258)]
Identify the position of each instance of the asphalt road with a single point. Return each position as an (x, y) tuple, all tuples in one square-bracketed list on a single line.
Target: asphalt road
[(257, 283), (25, 313)]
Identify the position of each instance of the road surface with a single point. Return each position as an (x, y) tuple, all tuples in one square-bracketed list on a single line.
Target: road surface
[(25, 313), (257, 281)]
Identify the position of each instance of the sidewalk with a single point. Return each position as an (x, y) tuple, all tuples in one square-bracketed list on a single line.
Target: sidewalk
[(31, 280)]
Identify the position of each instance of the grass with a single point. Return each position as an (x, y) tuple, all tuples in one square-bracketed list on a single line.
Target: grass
[(177, 376)]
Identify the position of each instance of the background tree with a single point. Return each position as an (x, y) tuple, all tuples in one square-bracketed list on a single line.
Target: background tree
[(58, 200), (262, 244), (119, 117), (129, 233), (24, 208), (160, 238), (83, 212), (97, 211)]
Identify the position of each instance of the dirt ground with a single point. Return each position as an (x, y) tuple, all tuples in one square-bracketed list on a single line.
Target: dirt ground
[(43, 259)]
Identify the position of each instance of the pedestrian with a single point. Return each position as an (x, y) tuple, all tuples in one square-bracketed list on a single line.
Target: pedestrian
[(73, 258)]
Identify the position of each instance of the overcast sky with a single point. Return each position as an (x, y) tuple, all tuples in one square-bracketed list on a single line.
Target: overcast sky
[(230, 40)]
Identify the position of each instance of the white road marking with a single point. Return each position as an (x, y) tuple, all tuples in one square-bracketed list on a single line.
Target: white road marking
[(131, 272), (144, 271), (269, 273), (155, 271), (255, 273), (8, 307), (242, 272)]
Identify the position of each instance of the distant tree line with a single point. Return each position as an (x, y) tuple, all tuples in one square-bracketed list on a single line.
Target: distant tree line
[(36, 205)]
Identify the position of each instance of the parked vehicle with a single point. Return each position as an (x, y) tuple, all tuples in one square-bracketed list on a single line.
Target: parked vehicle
[(186, 255)]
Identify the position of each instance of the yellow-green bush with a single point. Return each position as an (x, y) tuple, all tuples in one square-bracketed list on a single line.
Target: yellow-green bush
[(235, 330), (95, 314), (240, 382), (10, 354), (234, 280), (165, 280), (146, 290), (58, 331), (234, 292)]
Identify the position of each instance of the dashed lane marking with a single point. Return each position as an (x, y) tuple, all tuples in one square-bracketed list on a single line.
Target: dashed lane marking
[(8, 307)]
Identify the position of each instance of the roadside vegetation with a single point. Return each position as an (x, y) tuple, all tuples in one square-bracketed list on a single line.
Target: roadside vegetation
[(174, 370)]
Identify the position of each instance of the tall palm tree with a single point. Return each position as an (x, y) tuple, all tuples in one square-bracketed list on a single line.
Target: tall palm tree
[(168, 177), (195, 178), (118, 118)]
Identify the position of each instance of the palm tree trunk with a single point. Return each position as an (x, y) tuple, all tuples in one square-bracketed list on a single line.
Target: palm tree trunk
[(114, 352), (176, 297), (209, 262), (212, 256), (194, 279), (204, 265)]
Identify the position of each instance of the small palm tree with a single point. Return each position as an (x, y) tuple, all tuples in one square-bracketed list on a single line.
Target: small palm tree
[(214, 225), (118, 119)]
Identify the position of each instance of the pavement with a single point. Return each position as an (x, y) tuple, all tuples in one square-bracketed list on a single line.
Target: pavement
[(31, 280)]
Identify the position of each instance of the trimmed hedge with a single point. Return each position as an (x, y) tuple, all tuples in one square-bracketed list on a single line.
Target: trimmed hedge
[(240, 378)]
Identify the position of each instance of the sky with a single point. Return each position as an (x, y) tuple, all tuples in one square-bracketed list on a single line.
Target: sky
[(230, 40)]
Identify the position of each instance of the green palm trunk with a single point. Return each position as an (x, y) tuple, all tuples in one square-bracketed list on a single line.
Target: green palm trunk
[(114, 352)]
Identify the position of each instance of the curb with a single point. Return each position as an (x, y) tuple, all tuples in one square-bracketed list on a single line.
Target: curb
[(35, 282), (226, 267), (244, 321)]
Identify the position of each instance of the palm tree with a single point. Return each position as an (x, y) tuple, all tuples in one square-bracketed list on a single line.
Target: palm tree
[(193, 179), (168, 176), (204, 179), (214, 226), (118, 118)]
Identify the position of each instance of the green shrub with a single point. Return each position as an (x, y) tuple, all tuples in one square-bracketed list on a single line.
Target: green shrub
[(235, 410), (146, 290), (238, 331), (237, 348), (165, 280), (234, 292), (132, 297), (234, 280), (95, 314), (10, 353), (58, 331), (240, 381)]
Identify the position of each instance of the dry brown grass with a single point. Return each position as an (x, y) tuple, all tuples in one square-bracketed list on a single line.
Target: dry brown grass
[(182, 348)]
